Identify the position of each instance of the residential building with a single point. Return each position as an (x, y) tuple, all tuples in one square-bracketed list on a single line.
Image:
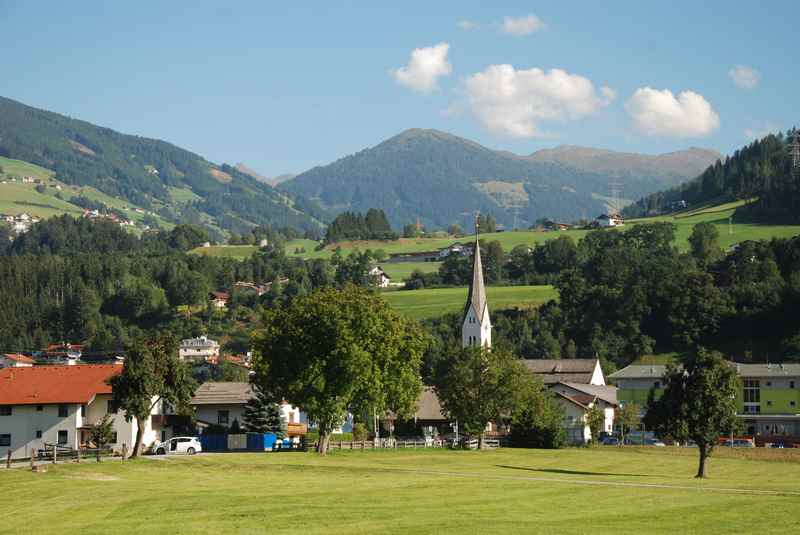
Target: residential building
[(768, 404), (14, 360), (382, 280), (553, 371), (219, 300), (199, 349), (577, 399), (220, 403), (610, 220), (59, 404), (69, 354)]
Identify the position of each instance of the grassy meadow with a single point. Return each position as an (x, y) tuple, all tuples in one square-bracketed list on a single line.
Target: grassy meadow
[(422, 304), (603, 490)]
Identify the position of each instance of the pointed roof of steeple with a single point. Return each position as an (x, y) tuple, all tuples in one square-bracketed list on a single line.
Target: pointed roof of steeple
[(476, 298)]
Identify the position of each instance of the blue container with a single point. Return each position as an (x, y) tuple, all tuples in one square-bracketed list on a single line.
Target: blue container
[(214, 442), (260, 442)]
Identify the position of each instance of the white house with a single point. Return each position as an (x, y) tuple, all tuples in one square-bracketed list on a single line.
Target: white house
[(199, 349), (382, 280), (13, 360), (610, 220), (59, 405), (220, 403), (219, 300), (576, 399)]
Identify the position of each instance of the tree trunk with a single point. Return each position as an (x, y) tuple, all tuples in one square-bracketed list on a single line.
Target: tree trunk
[(139, 435), (701, 469), (324, 440), (481, 441)]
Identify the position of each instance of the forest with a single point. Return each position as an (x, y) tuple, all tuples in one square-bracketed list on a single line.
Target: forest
[(760, 173)]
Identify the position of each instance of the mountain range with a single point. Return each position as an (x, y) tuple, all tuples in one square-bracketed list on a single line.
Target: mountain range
[(422, 174), (444, 179)]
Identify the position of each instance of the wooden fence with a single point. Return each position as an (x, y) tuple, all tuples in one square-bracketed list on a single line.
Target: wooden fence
[(391, 443)]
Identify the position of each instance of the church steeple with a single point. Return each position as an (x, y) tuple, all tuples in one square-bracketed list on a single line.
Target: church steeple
[(476, 328)]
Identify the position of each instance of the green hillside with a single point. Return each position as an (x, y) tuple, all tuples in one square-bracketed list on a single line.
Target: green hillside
[(147, 173), (421, 304)]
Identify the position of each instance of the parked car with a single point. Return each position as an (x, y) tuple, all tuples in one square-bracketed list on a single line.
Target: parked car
[(653, 442), (739, 443), (178, 446), (610, 441)]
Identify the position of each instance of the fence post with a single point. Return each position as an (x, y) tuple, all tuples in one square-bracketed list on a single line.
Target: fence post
[(33, 456), (78, 455), (124, 451), (55, 452), (8, 459)]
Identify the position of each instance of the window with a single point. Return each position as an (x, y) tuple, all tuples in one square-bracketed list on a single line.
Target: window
[(83, 411), (769, 383), (792, 403), (39, 433), (5, 410), (111, 407), (113, 438), (222, 417), (791, 384), (63, 411), (657, 384), (5, 440), (769, 403), (752, 396), (39, 408), (63, 437)]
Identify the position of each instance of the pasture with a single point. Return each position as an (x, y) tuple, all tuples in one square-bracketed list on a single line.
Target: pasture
[(594, 490), (423, 304)]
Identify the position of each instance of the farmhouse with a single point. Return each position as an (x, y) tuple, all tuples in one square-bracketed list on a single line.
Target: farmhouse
[(59, 404), (14, 360), (199, 349), (609, 220), (767, 405), (223, 402), (382, 280), (219, 300), (553, 371)]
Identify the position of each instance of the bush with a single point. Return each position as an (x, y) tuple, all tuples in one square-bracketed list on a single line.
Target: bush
[(313, 436), (360, 432)]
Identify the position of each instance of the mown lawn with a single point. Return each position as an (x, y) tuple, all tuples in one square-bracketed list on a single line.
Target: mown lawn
[(606, 490), (400, 271), (421, 304)]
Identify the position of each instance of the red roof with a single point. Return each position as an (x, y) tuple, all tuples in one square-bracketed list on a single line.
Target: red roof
[(222, 296), (19, 358), (41, 385)]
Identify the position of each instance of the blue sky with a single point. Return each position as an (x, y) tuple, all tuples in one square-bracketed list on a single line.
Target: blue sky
[(284, 87)]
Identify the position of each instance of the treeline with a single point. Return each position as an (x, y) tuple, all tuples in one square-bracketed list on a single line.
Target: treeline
[(633, 293), (353, 226), (760, 173)]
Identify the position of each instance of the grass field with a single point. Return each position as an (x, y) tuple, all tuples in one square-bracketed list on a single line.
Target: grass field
[(421, 304), (400, 271), (608, 490), (19, 169)]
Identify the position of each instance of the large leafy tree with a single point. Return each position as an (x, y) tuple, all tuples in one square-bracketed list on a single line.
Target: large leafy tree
[(477, 386), (336, 351), (152, 374), (698, 403)]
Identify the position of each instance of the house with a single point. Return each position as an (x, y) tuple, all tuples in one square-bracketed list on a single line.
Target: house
[(15, 360), (550, 225), (552, 371), (382, 280), (199, 349), (247, 287), (609, 220), (576, 399), (219, 300), (767, 405), (455, 249), (69, 354), (59, 404), (263, 242), (220, 403)]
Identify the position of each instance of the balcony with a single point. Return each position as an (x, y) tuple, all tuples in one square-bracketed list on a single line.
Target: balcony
[(295, 430)]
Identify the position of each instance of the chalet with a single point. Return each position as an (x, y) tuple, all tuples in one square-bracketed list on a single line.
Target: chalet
[(219, 300), (199, 349), (220, 403), (580, 371), (576, 399), (14, 360), (381, 279), (609, 220), (59, 404)]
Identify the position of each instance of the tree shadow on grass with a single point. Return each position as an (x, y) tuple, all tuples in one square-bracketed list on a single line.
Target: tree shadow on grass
[(562, 471)]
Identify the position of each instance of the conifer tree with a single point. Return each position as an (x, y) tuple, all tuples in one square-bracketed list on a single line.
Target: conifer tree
[(263, 416)]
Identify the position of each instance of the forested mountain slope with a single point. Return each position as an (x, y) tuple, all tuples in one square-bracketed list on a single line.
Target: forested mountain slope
[(148, 173), (443, 179), (760, 173)]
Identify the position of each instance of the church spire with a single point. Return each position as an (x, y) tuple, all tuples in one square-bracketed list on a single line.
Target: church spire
[(476, 326)]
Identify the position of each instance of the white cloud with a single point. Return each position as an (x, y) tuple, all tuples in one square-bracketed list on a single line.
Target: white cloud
[(424, 68), (514, 102), (466, 24), (745, 77), (753, 133), (660, 113), (520, 26)]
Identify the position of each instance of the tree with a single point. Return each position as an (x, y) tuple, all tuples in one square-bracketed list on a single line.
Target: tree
[(627, 416), (704, 242), (539, 422), (698, 403), (151, 374), (477, 386), (595, 419), (102, 433), (337, 351), (261, 415)]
